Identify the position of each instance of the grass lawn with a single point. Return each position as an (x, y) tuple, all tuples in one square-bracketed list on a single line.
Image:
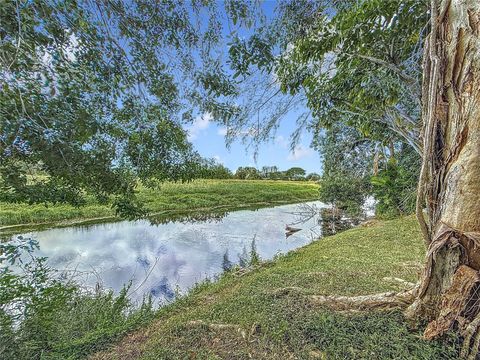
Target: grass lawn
[(252, 315), (202, 195)]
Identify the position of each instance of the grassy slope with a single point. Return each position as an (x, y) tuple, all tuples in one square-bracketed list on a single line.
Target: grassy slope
[(286, 325), (200, 194)]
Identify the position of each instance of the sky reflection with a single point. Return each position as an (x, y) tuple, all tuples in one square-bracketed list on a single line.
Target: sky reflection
[(162, 259)]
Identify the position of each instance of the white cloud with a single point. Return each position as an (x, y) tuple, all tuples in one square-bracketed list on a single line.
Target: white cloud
[(299, 152), (201, 122), (281, 141), (222, 131), (70, 49), (218, 159)]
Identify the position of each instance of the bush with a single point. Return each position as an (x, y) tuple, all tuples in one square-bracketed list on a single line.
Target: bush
[(394, 187), (344, 192), (43, 315)]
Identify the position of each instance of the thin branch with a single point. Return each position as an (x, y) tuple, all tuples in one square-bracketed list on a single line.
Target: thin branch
[(390, 66)]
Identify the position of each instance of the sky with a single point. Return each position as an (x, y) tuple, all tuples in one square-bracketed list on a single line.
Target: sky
[(208, 138)]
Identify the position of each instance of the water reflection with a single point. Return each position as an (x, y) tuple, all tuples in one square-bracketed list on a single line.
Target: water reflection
[(161, 219), (171, 256)]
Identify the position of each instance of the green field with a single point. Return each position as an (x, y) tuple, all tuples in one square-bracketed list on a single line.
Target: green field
[(204, 195), (264, 312)]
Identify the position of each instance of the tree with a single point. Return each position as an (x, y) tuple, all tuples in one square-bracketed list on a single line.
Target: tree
[(394, 184), (347, 163), (247, 173), (313, 177), (295, 173), (356, 62), (268, 171), (211, 169), (449, 189), (94, 95)]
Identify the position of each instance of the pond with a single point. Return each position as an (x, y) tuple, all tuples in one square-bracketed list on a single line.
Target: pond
[(169, 257)]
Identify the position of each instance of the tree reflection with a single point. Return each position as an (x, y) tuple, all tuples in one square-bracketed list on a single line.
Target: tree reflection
[(188, 218), (331, 220)]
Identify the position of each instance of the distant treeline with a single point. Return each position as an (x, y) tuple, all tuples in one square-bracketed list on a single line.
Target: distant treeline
[(211, 169)]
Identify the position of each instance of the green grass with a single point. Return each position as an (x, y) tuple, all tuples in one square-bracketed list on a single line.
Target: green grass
[(202, 195), (284, 324)]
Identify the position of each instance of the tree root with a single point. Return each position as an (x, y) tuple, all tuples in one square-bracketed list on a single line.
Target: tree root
[(382, 301), (406, 283), (469, 351), (218, 327)]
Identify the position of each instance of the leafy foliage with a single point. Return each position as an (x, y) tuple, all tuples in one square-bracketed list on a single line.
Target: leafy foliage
[(354, 62), (295, 173), (93, 96), (361, 65), (247, 173), (313, 177), (347, 162), (394, 187), (44, 314), (211, 169), (356, 65)]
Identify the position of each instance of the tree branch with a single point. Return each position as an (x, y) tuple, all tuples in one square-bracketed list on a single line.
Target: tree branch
[(407, 78)]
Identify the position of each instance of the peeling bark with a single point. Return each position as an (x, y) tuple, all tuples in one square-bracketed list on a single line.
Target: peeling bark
[(448, 201), (454, 301)]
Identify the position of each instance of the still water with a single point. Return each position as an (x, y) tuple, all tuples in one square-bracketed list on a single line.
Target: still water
[(168, 258)]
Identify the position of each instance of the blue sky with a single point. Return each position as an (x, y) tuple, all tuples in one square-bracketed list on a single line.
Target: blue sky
[(208, 137)]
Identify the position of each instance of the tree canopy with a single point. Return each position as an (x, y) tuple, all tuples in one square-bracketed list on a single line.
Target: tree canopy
[(356, 67), (94, 94)]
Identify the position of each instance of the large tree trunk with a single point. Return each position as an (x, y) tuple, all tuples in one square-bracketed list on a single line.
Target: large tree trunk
[(449, 191)]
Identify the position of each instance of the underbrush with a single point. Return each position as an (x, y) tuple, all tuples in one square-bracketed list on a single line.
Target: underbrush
[(44, 315)]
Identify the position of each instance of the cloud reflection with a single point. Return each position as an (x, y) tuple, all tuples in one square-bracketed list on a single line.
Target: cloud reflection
[(160, 258)]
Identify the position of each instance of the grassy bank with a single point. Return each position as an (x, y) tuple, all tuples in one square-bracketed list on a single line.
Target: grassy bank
[(265, 313), (172, 197)]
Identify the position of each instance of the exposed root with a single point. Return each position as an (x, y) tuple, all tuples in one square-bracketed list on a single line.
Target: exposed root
[(406, 283), (218, 327), (474, 348), (382, 301), (352, 304), (470, 332)]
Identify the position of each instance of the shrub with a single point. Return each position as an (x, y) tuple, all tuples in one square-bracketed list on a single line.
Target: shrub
[(394, 187), (43, 315), (344, 192)]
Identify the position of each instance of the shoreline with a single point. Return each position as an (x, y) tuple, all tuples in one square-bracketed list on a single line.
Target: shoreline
[(9, 230)]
